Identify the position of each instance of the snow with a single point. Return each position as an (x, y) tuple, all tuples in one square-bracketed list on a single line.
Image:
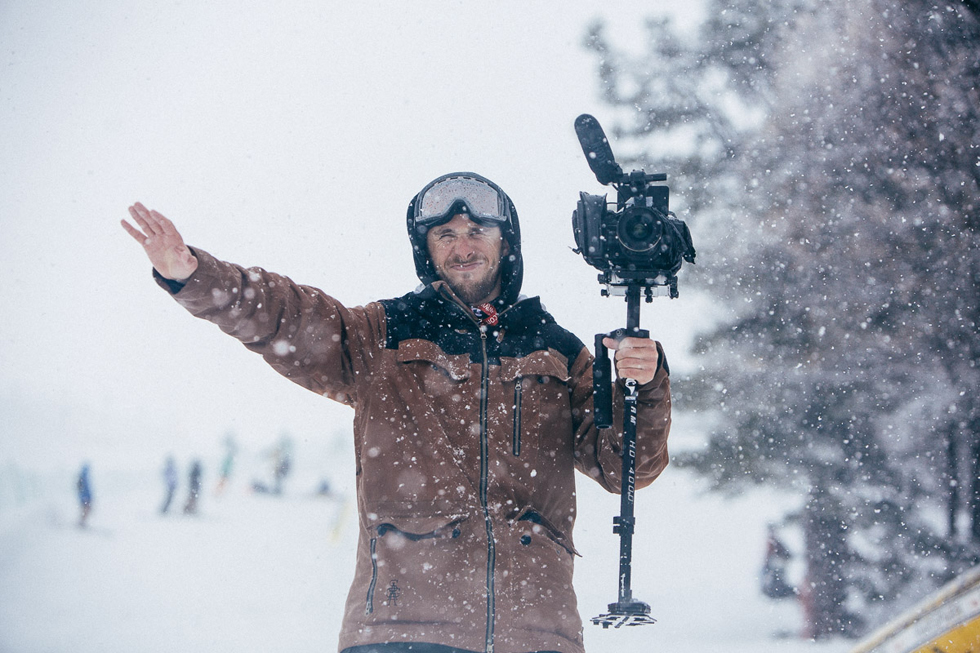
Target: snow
[(262, 129), (259, 572)]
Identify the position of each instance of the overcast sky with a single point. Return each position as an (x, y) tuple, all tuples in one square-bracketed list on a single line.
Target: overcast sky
[(286, 135)]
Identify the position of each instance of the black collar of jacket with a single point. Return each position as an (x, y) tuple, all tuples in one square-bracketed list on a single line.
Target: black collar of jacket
[(436, 315)]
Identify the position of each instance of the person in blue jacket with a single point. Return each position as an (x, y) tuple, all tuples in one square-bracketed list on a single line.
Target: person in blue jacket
[(84, 488)]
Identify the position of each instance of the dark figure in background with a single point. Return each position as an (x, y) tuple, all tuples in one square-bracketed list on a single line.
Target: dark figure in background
[(324, 489), (169, 483), (472, 410), (194, 488), (227, 463), (774, 584), (83, 486), (282, 463)]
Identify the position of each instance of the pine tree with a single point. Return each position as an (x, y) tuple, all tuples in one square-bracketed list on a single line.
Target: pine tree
[(829, 156)]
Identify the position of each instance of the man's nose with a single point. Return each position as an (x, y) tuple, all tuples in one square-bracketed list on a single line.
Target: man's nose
[(465, 248)]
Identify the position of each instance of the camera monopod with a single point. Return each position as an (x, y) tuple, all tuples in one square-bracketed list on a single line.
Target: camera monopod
[(626, 611), (639, 232)]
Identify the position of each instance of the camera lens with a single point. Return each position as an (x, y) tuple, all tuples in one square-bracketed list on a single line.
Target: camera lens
[(640, 230)]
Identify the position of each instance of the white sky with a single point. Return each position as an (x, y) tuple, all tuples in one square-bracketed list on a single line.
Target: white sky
[(287, 135)]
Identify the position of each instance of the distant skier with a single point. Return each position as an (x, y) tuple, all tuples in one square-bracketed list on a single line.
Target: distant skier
[(170, 483), (324, 489), (227, 463), (282, 463), (84, 488), (194, 488)]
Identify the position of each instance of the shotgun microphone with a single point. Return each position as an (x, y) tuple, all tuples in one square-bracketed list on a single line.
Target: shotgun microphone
[(597, 150)]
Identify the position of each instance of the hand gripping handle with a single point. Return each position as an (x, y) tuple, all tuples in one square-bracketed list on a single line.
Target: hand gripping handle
[(602, 379)]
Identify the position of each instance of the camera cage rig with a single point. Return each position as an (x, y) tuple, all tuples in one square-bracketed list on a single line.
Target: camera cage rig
[(618, 243), (630, 280)]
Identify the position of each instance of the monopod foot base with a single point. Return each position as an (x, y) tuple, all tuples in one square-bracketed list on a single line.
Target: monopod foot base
[(634, 613)]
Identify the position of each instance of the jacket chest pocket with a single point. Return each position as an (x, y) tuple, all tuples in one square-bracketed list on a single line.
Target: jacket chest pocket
[(439, 374), (540, 391)]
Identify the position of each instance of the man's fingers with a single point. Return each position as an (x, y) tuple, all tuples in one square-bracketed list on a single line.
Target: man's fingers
[(637, 343), (162, 243), (165, 225), (152, 222), (142, 217), (636, 364), (137, 235), (636, 358), (631, 346)]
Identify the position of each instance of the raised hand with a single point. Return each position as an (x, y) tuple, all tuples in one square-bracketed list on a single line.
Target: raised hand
[(162, 243)]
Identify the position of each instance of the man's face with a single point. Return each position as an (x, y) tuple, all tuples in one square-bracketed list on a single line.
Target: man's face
[(467, 256)]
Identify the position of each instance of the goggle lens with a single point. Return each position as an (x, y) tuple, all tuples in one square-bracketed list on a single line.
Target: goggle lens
[(481, 200)]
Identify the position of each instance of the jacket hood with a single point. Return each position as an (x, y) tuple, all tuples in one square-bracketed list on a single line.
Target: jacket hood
[(511, 267)]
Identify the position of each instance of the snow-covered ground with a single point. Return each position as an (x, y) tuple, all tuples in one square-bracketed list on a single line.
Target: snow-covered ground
[(253, 572)]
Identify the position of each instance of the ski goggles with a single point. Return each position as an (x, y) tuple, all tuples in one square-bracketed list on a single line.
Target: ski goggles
[(461, 192)]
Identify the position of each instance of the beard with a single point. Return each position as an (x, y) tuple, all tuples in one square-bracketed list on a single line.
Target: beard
[(472, 287)]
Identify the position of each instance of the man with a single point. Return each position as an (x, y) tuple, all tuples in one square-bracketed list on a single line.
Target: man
[(472, 409)]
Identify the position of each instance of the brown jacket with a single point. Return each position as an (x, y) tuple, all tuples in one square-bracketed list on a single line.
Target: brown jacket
[(466, 439)]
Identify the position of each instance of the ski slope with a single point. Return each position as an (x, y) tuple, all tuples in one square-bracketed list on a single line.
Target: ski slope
[(255, 572)]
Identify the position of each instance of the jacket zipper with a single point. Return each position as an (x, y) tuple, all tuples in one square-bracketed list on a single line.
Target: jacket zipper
[(484, 480), (369, 608), (484, 474), (518, 393)]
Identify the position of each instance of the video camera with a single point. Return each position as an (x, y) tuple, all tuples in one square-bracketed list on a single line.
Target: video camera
[(637, 247), (641, 243)]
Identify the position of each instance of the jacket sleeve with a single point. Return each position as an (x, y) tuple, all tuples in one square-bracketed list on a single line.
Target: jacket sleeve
[(305, 335), (598, 452)]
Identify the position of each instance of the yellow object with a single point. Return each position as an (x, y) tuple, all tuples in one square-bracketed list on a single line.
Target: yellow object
[(946, 622), (965, 639)]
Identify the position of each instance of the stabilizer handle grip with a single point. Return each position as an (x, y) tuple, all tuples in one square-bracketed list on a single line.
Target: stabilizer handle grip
[(602, 384), (602, 378)]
